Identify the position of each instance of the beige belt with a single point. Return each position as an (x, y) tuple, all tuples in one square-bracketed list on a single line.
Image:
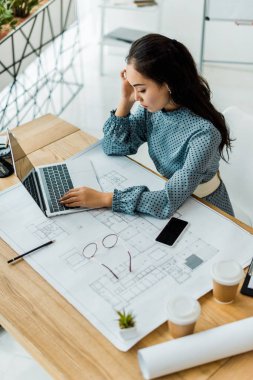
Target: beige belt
[(204, 189)]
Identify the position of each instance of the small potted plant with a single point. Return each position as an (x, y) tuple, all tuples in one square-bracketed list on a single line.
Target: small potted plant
[(6, 18), (22, 8), (127, 324)]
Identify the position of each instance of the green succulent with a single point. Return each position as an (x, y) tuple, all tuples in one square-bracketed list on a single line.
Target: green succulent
[(125, 319), (21, 8), (6, 15)]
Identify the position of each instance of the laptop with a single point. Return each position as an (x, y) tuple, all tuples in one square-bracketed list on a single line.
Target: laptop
[(47, 183)]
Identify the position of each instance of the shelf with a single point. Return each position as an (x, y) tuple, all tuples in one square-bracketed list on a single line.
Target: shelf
[(126, 35), (128, 7), (229, 12), (123, 36)]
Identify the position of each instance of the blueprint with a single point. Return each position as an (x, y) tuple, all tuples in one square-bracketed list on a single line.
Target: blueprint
[(157, 271)]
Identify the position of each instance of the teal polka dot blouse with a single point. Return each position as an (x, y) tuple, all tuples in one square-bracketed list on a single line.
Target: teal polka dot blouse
[(184, 149)]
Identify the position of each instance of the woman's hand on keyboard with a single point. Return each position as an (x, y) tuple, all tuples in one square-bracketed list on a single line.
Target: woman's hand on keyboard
[(86, 197)]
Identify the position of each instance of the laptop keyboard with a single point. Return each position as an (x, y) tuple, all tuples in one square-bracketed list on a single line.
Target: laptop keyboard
[(58, 182), (30, 186)]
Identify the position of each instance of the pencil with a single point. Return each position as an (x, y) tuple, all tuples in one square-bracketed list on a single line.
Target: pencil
[(27, 253)]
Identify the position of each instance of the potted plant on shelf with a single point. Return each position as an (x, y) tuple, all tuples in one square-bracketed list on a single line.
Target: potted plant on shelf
[(127, 324), (22, 8), (15, 12), (7, 19)]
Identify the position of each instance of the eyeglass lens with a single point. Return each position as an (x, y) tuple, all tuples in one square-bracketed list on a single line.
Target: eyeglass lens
[(110, 240), (90, 250)]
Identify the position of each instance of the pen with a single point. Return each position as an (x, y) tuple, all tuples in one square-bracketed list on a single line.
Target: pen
[(27, 253)]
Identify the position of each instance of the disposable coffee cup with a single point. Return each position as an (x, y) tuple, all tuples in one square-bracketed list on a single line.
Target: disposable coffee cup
[(226, 276), (183, 313)]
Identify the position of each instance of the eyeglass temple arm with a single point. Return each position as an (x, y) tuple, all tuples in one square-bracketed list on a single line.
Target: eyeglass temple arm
[(130, 261), (110, 270)]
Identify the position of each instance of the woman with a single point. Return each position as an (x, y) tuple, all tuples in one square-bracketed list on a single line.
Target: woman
[(185, 134)]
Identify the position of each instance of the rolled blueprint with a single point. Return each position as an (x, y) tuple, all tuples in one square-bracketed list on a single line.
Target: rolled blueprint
[(196, 349)]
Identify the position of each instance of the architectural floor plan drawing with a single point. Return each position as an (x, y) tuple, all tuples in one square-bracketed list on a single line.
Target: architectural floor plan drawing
[(151, 261), (46, 230), (24, 224), (112, 180), (100, 285), (159, 265)]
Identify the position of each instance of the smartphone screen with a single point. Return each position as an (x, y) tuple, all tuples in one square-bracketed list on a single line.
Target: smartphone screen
[(247, 287), (172, 231)]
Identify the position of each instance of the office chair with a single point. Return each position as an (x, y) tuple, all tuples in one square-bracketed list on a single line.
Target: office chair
[(238, 173)]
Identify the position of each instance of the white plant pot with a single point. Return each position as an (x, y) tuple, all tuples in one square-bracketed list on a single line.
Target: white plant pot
[(128, 333)]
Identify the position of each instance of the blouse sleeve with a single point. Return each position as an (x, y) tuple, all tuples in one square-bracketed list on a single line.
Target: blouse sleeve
[(124, 135), (201, 150)]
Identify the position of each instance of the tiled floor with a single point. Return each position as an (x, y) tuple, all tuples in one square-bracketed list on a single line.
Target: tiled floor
[(75, 91), (16, 363)]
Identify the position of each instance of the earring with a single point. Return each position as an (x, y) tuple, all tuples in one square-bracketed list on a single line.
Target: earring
[(169, 90)]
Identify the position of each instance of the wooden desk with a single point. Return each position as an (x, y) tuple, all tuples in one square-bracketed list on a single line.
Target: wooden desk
[(54, 332)]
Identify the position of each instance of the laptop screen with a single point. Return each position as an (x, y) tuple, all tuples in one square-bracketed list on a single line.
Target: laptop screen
[(21, 164)]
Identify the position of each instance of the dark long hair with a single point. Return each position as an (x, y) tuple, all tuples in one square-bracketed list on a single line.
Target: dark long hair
[(168, 61)]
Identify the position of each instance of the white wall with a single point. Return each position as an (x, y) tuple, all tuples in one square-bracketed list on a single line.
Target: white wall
[(182, 20)]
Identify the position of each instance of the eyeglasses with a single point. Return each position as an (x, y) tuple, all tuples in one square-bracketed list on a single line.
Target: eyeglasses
[(109, 241)]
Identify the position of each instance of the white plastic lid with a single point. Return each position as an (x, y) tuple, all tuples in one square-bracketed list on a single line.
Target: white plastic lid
[(183, 310), (227, 272)]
